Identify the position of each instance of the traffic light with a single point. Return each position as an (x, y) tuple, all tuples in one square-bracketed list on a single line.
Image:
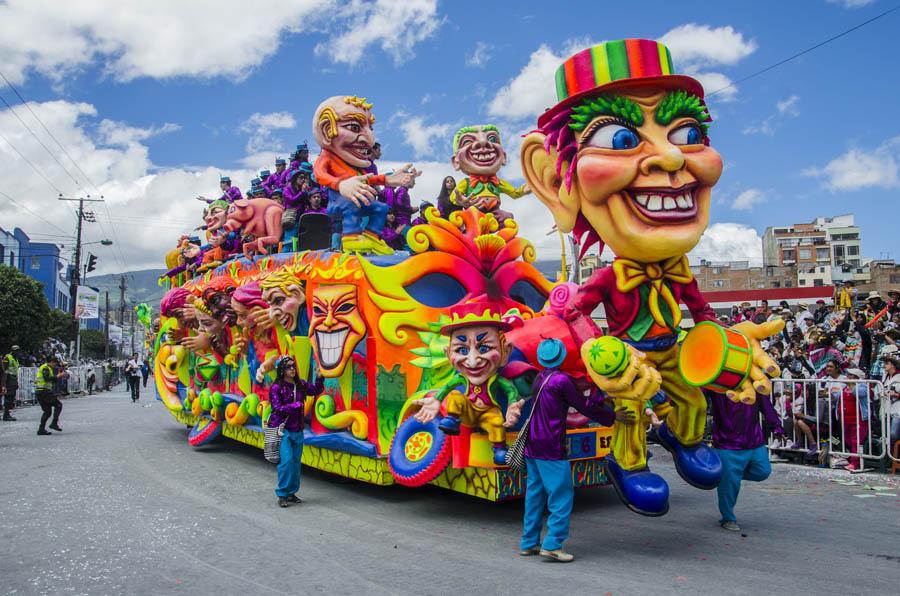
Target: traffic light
[(92, 263)]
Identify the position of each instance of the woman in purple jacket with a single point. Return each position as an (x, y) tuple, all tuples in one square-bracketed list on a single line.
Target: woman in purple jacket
[(287, 397)]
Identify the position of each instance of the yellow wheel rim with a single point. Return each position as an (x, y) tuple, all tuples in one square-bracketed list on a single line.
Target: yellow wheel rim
[(418, 445)]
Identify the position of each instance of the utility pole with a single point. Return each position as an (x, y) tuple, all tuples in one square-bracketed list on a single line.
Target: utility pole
[(106, 326), (132, 329), (122, 301), (76, 270)]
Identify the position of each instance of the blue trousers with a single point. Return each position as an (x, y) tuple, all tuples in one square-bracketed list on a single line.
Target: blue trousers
[(737, 465), (289, 468), (351, 216), (549, 484)]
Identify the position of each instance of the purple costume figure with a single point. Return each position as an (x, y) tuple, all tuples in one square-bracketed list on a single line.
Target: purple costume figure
[(287, 397), (393, 232), (549, 481), (264, 177), (376, 154), (300, 156), (315, 203), (231, 193), (738, 438), (423, 206), (398, 202), (279, 178), (296, 194)]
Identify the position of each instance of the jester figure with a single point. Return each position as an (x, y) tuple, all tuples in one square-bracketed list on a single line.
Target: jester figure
[(477, 395), (479, 154), (342, 126), (624, 158)]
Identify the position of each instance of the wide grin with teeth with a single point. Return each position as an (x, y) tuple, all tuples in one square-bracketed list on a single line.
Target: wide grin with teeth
[(331, 346), (664, 204), (483, 158)]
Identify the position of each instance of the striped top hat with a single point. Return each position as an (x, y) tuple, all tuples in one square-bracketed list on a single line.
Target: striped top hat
[(612, 65)]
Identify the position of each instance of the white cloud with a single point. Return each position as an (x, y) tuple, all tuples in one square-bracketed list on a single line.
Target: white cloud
[(394, 25), (851, 3), (530, 92), (789, 106), (763, 128), (119, 133), (201, 38), (700, 46), (480, 55), (748, 199), (421, 136), (260, 126), (858, 168), (729, 242)]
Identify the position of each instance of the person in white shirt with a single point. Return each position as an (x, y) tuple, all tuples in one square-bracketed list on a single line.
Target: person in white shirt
[(133, 374)]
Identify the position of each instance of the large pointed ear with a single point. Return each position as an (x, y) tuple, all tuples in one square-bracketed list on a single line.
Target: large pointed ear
[(539, 168)]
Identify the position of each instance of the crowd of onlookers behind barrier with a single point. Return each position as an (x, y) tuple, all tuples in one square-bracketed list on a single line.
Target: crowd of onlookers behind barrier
[(87, 378), (839, 395)]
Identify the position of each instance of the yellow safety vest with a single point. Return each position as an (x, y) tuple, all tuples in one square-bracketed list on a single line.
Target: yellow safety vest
[(40, 383), (12, 365)]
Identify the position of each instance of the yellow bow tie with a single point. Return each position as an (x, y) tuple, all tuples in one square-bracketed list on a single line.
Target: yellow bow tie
[(631, 274)]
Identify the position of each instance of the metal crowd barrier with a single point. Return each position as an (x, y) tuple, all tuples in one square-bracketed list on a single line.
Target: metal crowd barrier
[(828, 417), (77, 382)]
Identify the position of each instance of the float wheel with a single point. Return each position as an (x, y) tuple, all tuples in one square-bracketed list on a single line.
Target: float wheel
[(205, 431), (419, 452)]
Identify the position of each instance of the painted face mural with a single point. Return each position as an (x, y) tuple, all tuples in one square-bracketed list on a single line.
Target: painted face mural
[(477, 150), (343, 125), (215, 216), (336, 326), (285, 296), (477, 352)]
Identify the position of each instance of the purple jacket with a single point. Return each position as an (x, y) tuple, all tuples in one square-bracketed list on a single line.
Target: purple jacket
[(547, 434), (294, 199), (392, 238), (287, 402), (274, 181), (397, 200), (231, 195), (736, 425)]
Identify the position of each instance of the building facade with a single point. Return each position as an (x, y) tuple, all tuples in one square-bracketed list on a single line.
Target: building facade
[(42, 262), (826, 242), (713, 276), (9, 249)]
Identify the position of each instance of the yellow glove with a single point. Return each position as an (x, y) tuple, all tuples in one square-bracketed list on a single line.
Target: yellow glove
[(764, 368), (639, 381)]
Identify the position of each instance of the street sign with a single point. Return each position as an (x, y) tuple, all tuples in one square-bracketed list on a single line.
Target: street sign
[(87, 303)]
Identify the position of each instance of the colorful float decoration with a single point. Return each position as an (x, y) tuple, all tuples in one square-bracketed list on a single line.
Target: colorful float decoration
[(371, 326)]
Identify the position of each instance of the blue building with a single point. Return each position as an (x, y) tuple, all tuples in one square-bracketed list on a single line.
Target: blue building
[(41, 262), (9, 249)]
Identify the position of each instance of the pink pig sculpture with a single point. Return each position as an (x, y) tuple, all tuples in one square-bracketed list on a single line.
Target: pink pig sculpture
[(257, 218)]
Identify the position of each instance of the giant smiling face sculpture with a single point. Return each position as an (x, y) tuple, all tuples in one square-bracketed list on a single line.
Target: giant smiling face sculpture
[(477, 150), (336, 326)]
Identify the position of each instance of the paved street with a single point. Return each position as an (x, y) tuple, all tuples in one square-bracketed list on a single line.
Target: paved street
[(120, 503)]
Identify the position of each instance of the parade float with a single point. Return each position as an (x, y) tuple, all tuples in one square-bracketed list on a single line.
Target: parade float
[(422, 351)]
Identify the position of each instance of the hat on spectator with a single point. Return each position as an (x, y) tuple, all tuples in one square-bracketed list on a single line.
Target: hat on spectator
[(888, 350), (872, 295), (820, 301), (280, 162), (802, 305), (745, 305), (856, 372)]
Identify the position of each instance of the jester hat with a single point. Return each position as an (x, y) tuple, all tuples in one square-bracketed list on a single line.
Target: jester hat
[(616, 66), (479, 311)]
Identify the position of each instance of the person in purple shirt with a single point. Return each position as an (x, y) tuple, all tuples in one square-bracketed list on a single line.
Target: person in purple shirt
[(737, 436), (278, 179), (231, 193), (549, 481), (287, 396), (315, 204), (299, 156), (392, 233), (423, 206), (398, 201)]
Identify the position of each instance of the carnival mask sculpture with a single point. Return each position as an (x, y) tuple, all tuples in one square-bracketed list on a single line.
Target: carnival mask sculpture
[(624, 159), (479, 154), (336, 326)]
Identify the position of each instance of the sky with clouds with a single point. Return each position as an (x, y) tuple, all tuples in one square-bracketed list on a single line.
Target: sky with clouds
[(147, 103)]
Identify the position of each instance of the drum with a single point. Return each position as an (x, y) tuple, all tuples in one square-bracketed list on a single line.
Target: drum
[(715, 358)]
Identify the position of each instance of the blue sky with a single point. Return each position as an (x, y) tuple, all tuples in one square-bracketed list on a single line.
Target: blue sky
[(153, 102)]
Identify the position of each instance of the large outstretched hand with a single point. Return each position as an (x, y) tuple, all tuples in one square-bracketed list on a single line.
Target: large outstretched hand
[(357, 189), (405, 177), (428, 409), (639, 381), (764, 368)]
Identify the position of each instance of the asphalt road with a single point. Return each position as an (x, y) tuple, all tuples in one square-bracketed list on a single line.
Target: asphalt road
[(119, 503)]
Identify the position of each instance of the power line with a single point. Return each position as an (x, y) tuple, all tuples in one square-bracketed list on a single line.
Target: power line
[(33, 167), (40, 142), (14, 202), (55, 140), (803, 52)]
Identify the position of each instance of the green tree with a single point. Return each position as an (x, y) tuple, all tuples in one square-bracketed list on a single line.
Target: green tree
[(60, 326), (25, 312), (93, 343)]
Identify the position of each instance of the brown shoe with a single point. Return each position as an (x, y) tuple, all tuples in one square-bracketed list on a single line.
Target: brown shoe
[(530, 552), (558, 555)]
